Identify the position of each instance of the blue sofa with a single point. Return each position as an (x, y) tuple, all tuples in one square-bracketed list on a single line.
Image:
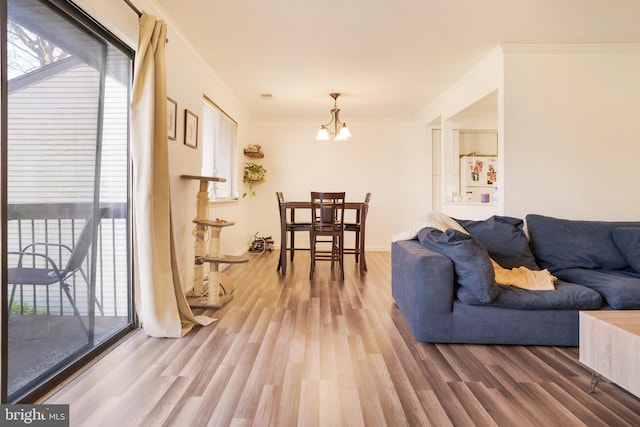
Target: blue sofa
[(442, 288)]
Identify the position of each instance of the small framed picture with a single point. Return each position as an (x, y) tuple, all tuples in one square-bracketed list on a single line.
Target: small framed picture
[(190, 129), (172, 112)]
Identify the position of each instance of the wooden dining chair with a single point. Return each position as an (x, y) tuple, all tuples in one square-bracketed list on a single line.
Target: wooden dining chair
[(288, 228), (358, 228), (327, 227)]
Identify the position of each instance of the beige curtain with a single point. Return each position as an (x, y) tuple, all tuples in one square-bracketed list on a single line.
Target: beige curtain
[(159, 297)]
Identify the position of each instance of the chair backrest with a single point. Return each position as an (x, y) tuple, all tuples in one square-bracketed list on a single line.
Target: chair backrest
[(365, 207), (81, 247), (327, 211), (283, 213)]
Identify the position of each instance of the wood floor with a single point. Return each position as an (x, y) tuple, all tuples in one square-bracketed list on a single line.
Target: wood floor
[(289, 351)]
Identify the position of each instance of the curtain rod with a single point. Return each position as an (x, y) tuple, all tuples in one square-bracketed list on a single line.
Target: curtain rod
[(134, 8), (137, 11), (211, 101)]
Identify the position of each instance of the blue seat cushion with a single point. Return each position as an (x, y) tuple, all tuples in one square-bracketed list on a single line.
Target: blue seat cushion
[(504, 239), (567, 296), (471, 261), (620, 289)]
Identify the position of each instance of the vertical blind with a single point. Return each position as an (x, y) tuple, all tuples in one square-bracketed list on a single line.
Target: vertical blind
[(218, 150)]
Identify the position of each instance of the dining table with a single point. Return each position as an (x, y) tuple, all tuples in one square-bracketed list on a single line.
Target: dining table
[(289, 208)]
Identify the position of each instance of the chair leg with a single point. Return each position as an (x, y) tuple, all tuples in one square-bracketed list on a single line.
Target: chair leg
[(279, 260), (293, 244), (341, 255), (100, 308), (282, 260), (86, 279), (283, 250), (280, 267), (334, 251), (13, 293), (363, 256), (312, 247), (65, 287), (357, 246)]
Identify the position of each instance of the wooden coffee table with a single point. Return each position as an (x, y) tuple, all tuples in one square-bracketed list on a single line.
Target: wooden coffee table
[(610, 346)]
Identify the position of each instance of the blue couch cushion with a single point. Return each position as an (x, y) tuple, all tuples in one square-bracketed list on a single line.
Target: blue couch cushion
[(471, 261), (567, 296), (504, 239), (560, 244), (620, 289), (628, 242)]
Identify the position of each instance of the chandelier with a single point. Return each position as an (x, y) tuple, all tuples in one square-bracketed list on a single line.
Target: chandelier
[(340, 131)]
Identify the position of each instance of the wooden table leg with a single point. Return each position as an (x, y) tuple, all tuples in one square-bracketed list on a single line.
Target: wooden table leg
[(282, 263), (363, 258), (283, 251)]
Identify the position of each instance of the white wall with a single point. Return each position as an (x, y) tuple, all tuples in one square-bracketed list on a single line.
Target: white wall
[(481, 80), (388, 158), (568, 138), (570, 148), (572, 137), (385, 157), (188, 79)]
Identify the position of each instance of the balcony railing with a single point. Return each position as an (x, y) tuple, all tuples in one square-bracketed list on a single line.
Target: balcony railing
[(60, 224)]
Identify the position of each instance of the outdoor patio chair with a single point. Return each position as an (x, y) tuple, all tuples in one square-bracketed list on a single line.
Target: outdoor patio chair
[(51, 274)]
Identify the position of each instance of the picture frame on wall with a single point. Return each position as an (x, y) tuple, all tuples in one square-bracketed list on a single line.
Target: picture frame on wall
[(172, 113), (190, 129)]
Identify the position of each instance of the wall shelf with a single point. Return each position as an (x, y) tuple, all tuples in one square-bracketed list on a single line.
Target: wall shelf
[(254, 151), (254, 154)]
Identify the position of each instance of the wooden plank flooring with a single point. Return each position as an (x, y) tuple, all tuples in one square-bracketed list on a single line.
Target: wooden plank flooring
[(288, 351)]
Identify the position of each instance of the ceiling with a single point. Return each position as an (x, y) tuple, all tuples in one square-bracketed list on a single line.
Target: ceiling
[(389, 58)]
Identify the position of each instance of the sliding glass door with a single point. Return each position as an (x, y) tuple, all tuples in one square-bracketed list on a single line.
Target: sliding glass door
[(67, 245)]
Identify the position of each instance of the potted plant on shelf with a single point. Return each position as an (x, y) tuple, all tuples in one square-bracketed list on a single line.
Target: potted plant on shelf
[(253, 174)]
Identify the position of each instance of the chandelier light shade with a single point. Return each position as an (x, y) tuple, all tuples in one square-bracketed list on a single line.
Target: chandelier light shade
[(335, 127)]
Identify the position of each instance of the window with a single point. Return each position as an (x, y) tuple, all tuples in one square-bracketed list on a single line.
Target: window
[(219, 150), (67, 186)]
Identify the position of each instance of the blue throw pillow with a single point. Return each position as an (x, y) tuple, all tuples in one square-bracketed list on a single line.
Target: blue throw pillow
[(470, 259), (628, 242), (559, 244), (504, 239)]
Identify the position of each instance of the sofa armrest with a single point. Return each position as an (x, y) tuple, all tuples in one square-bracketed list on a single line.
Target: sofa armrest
[(422, 284)]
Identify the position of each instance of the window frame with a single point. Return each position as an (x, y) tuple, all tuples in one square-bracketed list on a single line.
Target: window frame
[(80, 19)]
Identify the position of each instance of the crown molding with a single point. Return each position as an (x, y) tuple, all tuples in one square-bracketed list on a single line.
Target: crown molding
[(564, 48)]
